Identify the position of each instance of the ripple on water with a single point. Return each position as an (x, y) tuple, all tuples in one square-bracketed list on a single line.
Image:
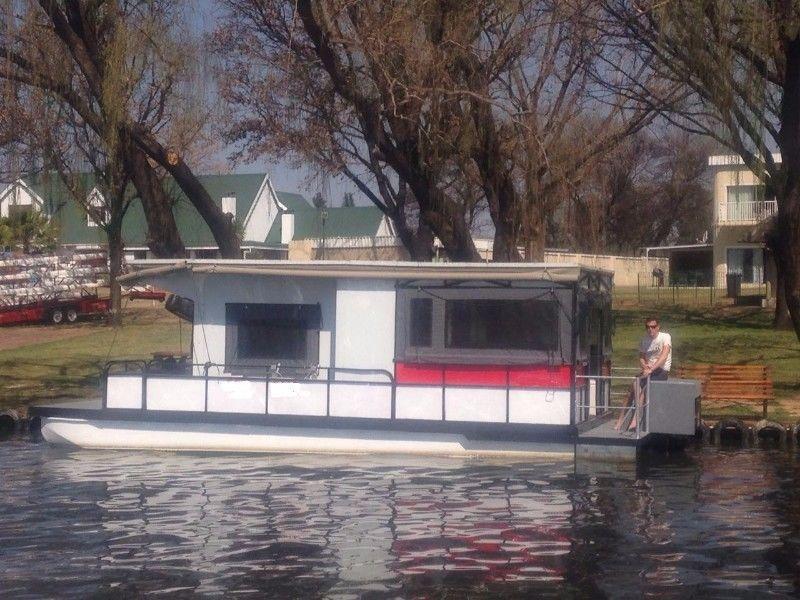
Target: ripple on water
[(81, 524)]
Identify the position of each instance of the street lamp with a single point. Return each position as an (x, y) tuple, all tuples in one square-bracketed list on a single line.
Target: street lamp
[(323, 215)]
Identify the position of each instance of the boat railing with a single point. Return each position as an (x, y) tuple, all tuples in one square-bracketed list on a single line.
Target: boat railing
[(327, 391), (612, 401), (275, 374)]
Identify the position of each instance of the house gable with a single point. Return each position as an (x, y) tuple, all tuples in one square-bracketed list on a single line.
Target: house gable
[(19, 193)]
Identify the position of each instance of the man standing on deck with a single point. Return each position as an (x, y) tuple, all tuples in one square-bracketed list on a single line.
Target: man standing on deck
[(655, 360)]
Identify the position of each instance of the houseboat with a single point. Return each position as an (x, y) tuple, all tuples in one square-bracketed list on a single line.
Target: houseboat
[(375, 357)]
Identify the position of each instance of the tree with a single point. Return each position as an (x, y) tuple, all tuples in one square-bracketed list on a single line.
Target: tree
[(365, 105), (739, 64), (651, 190), (31, 230), (318, 201), (348, 201), (446, 105), (123, 69)]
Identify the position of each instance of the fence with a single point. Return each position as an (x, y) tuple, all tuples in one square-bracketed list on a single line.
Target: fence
[(687, 293)]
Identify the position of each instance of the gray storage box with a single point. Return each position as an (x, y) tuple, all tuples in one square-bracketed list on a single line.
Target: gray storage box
[(673, 406)]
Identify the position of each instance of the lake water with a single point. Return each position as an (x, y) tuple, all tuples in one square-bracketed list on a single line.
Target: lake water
[(710, 523)]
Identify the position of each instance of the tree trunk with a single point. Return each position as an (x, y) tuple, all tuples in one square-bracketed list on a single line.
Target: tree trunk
[(163, 237), (453, 233), (220, 223), (788, 223), (115, 253), (423, 243), (781, 319), (418, 244), (787, 257), (536, 233)]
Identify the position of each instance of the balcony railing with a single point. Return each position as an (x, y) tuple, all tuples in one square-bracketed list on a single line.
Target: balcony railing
[(747, 212)]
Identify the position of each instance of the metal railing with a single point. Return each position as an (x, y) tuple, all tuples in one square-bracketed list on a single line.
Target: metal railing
[(747, 212), (628, 417), (153, 369), (161, 369)]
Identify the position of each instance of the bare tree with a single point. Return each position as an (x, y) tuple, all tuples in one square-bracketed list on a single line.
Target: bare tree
[(121, 67), (355, 88), (740, 66), (651, 190), (446, 105)]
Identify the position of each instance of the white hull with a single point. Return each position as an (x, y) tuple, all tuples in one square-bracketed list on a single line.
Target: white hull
[(208, 437)]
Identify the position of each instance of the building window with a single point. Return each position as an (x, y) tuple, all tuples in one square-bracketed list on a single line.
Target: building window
[(421, 322), (501, 324), (139, 254), (747, 262), (738, 194), (258, 335)]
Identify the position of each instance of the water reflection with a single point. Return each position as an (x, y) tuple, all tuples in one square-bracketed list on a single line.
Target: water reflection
[(87, 523)]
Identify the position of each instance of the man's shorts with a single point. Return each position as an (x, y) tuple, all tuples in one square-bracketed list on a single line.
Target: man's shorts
[(657, 375)]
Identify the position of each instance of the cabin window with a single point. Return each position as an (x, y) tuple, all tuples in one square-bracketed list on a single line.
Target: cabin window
[(269, 334), (421, 322), (501, 324), (482, 324)]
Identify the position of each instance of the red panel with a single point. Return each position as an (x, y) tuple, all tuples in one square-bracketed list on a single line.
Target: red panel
[(559, 376), (416, 373), (492, 375), (475, 375)]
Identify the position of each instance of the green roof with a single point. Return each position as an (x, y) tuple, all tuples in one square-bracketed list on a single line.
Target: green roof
[(351, 221), (293, 202), (74, 229)]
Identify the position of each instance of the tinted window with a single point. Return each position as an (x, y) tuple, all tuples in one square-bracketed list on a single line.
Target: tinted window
[(501, 324), (273, 332), (421, 322)]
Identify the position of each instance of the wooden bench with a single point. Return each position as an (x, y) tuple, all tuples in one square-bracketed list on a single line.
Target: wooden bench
[(726, 385)]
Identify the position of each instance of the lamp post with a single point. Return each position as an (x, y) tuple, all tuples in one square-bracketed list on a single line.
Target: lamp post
[(323, 215)]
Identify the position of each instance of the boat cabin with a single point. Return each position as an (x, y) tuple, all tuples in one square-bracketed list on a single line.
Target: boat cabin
[(457, 342)]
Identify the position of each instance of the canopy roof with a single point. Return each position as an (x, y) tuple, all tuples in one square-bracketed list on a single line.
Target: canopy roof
[(559, 273)]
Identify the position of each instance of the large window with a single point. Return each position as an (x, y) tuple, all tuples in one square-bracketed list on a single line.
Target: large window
[(421, 325), (501, 325), (268, 334), (747, 262), (475, 325)]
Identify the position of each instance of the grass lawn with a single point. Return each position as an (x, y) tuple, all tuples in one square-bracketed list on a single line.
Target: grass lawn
[(721, 334), (68, 367)]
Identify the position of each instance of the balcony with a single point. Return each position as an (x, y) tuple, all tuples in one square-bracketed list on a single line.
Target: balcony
[(744, 213)]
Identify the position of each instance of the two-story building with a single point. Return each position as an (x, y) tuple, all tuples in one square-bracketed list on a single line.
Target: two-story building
[(741, 213)]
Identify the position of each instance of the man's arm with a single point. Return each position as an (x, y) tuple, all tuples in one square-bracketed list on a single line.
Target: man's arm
[(642, 361), (662, 358)]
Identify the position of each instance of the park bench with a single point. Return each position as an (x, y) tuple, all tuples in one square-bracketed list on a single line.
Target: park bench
[(726, 385)]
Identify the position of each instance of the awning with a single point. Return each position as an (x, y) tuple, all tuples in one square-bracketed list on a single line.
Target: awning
[(558, 273)]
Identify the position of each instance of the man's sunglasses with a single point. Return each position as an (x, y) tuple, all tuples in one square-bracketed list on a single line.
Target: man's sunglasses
[(651, 326)]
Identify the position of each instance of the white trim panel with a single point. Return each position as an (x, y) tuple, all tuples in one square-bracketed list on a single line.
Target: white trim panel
[(546, 407), (290, 398), (164, 393), (475, 404), (414, 402), (124, 391), (372, 401), (237, 396)]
